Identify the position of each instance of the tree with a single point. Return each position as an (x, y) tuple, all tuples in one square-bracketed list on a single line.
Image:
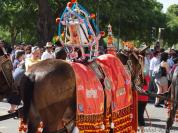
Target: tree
[(15, 18), (46, 25), (131, 20), (172, 25)]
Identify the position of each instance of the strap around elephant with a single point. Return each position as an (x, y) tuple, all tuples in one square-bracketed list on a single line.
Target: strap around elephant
[(67, 128)]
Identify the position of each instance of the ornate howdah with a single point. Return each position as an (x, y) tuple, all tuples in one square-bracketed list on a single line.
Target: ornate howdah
[(104, 96)]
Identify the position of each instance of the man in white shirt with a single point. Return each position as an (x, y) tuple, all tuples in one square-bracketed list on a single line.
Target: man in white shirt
[(48, 53), (154, 62)]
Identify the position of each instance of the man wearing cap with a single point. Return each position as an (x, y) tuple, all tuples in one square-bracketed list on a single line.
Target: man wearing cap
[(19, 58), (48, 53), (35, 57), (19, 68)]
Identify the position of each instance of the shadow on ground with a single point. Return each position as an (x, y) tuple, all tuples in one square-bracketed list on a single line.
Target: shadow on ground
[(161, 126), (154, 120)]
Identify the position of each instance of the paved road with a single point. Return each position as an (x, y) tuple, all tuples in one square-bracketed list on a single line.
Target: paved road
[(157, 117), (7, 126)]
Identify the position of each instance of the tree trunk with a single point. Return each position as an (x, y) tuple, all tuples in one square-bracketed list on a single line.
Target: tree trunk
[(13, 34), (45, 25)]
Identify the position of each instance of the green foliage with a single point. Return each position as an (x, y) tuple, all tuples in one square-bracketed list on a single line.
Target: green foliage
[(18, 16), (172, 15), (130, 19), (172, 25)]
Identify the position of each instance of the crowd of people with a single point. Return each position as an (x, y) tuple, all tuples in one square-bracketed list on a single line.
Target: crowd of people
[(23, 57), (159, 65)]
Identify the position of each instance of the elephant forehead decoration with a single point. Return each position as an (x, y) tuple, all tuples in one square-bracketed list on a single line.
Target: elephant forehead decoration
[(77, 28)]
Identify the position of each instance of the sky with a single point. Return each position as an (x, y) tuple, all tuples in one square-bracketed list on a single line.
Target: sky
[(167, 3)]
